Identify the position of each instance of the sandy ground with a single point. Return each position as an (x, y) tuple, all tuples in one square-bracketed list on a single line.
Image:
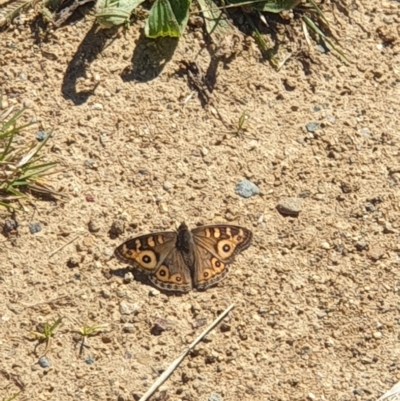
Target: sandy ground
[(142, 146)]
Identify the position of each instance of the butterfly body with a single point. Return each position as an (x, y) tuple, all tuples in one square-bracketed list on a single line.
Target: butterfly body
[(179, 261)]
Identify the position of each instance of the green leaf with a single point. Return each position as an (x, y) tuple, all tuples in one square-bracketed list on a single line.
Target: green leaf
[(167, 18), (114, 12), (215, 19)]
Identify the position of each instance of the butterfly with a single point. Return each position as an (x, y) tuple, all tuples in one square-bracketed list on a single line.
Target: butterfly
[(179, 261)]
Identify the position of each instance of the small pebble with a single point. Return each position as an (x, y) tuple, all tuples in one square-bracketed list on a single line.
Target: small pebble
[(128, 278), (311, 396), (10, 227), (117, 228), (89, 163), (312, 127), (73, 261), (167, 185), (89, 198), (44, 362), (377, 335), (246, 189), (35, 228), (361, 245), (159, 326), (89, 360), (214, 397), (289, 206), (388, 229), (154, 292), (365, 132), (129, 328), (126, 308), (325, 245), (321, 314), (97, 106), (94, 227), (376, 252), (105, 294), (40, 136)]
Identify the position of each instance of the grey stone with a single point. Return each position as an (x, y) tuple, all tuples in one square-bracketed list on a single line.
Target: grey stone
[(246, 189)]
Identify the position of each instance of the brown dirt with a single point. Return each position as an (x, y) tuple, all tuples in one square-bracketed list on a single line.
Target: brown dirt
[(316, 297)]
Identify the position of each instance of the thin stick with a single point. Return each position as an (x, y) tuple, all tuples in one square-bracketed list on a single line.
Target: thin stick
[(64, 245), (164, 376)]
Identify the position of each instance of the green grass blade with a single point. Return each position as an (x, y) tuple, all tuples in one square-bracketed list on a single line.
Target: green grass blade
[(311, 24)]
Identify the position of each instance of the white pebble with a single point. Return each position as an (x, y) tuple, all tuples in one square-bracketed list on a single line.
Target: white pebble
[(377, 335), (325, 245)]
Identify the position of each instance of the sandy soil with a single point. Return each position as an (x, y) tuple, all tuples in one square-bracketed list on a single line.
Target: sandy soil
[(142, 146)]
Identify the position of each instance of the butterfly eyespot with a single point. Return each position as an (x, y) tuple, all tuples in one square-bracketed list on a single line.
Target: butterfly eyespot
[(217, 264), (178, 279), (226, 248), (162, 273), (239, 238), (206, 275), (146, 259)]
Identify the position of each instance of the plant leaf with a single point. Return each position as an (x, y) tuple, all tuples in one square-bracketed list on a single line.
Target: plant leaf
[(167, 18)]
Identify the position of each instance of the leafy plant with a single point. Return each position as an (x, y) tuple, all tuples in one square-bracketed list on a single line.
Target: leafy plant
[(46, 335), (88, 331), (21, 167)]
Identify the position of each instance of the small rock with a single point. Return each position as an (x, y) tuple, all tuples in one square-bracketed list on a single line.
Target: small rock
[(106, 339), (89, 360), (331, 118), (10, 227), (252, 291), (117, 228), (225, 327), (376, 252), (204, 151), (89, 163), (321, 314), (365, 132), (388, 229), (154, 292), (214, 397), (199, 323), (35, 228), (105, 294), (167, 185), (89, 198), (40, 136), (97, 106), (361, 245), (93, 226), (312, 127), (44, 362), (369, 207), (128, 278), (325, 245), (377, 335), (289, 206), (129, 328), (159, 326), (73, 261), (126, 308), (311, 396), (246, 189)]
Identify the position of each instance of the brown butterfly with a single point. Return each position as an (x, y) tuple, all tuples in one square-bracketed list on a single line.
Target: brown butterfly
[(179, 261)]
